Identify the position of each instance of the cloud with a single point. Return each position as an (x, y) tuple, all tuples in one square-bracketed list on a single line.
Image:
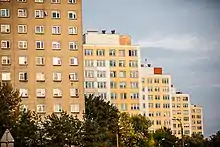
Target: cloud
[(178, 43)]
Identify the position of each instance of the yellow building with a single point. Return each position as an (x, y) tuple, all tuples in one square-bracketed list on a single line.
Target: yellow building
[(181, 110), (156, 96), (197, 119), (41, 53), (111, 69)]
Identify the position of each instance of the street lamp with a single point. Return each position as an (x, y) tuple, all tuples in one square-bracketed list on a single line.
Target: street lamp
[(181, 125)]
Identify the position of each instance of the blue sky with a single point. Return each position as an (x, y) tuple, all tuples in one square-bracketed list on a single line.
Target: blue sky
[(182, 36)]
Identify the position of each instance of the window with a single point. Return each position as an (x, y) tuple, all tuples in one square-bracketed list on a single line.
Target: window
[(185, 105), (89, 84), (123, 107), (56, 61), (6, 76), (157, 105), (23, 76), (56, 14), (5, 44), (39, 29), (56, 45), (134, 74), (113, 74), (150, 89), (133, 53), (39, 1), (74, 92), (113, 85), (103, 95), (166, 105), (73, 46), (73, 77), (39, 13), (22, 12), (73, 61), (22, 44), (74, 108), (4, 13), (166, 97), (122, 74), (22, 29), (157, 97), (6, 60), (112, 52), (89, 73), (122, 84), (157, 89), (121, 63), (72, 15), (123, 96), (100, 52), (149, 81), (40, 93), (57, 92), (23, 60), (72, 1), (100, 63), (41, 108), (21, 0), (5, 28), (88, 52), (150, 97), (40, 77), (101, 74), (135, 107), (56, 30), (57, 108), (113, 96), (72, 30), (39, 45), (156, 80), (57, 77), (40, 61), (112, 63), (23, 93), (185, 98), (101, 85), (122, 53), (134, 84), (55, 1), (133, 63), (134, 95), (89, 63)]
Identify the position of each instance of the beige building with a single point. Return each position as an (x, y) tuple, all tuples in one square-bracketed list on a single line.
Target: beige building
[(156, 96), (197, 119), (112, 66), (41, 53)]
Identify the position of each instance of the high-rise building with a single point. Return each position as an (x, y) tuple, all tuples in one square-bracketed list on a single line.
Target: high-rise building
[(112, 66), (41, 53), (197, 119), (156, 98)]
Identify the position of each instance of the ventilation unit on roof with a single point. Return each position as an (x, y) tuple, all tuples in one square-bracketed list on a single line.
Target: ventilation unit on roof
[(103, 31), (148, 65), (113, 31)]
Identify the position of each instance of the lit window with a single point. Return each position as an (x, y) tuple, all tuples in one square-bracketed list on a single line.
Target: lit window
[(57, 77), (56, 30), (55, 1), (23, 76), (40, 77), (74, 93), (22, 44), (57, 108), (56, 61), (39, 45), (5, 44), (57, 92), (6, 76), (39, 29), (22, 29), (23, 60), (74, 108), (72, 1), (72, 15), (55, 14), (5, 28), (4, 13), (73, 61), (72, 30), (56, 45), (23, 93), (23, 1), (22, 13), (72, 45), (73, 76), (41, 108), (40, 61), (6, 60), (39, 1), (41, 93)]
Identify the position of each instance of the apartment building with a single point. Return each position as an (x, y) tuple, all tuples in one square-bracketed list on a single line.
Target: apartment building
[(156, 97), (181, 112), (41, 53), (197, 119), (111, 69)]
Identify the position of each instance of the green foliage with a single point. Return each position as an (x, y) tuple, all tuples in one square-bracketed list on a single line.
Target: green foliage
[(196, 140), (9, 104)]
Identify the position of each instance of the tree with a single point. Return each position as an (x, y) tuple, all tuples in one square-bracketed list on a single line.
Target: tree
[(215, 140), (164, 138), (196, 140), (9, 106), (62, 130), (100, 122)]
